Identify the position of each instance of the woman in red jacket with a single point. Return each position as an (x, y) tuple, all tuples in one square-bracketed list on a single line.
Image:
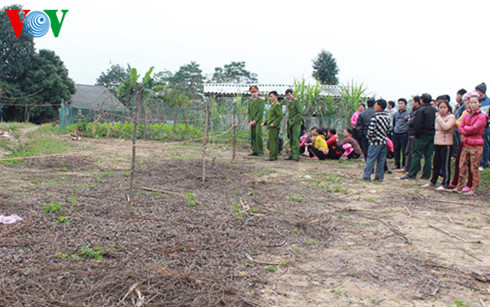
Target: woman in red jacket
[(334, 149), (471, 128)]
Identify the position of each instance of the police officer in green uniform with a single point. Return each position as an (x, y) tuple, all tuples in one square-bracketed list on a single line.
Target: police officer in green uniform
[(295, 114), (273, 124), (255, 111)]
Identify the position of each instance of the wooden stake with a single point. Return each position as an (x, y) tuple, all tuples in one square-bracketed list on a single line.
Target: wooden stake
[(234, 129), (163, 191), (205, 141), (129, 205)]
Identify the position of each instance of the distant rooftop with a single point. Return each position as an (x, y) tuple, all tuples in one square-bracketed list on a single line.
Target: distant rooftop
[(231, 89), (93, 97)]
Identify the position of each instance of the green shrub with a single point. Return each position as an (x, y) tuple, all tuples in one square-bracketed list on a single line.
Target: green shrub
[(191, 199), (52, 207), (41, 146), (159, 132), (96, 253), (63, 219), (43, 130)]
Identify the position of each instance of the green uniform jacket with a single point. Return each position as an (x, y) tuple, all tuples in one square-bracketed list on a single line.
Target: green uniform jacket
[(275, 116), (255, 110), (295, 112)]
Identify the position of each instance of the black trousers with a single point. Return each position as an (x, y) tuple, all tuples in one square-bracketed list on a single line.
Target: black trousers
[(364, 146), (333, 154), (316, 152), (400, 141), (441, 164), (353, 155)]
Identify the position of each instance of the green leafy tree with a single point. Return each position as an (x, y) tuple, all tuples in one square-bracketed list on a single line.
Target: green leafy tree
[(113, 76), (163, 77), (16, 53), (49, 76), (234, 72), (325, 68), (189, 80), (27, 77)]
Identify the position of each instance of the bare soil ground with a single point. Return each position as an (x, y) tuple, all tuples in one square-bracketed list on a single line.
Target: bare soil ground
[(254, 233)]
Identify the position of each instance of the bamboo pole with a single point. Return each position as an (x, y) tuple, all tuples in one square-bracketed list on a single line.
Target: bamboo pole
[(205, 141), (234, 129), (129, 205)]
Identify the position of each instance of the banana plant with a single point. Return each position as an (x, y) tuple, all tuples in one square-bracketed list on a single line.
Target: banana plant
[(136, 94)]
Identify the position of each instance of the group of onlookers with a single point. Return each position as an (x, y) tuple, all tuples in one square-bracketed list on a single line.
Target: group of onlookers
[(320, 144), (432, 131)]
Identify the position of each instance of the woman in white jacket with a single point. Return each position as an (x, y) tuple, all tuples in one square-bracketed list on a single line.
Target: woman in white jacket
[(443, 142)]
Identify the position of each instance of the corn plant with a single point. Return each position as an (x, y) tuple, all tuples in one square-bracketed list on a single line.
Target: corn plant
[(351, 95), (326, 109), (309, 96)]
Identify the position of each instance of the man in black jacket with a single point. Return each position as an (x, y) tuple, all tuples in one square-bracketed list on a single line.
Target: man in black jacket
[(424, 128), (458, 110), (362, 125), (410, 148)]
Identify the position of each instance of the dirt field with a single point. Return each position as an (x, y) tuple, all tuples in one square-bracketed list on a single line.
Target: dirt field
[(254, 233)]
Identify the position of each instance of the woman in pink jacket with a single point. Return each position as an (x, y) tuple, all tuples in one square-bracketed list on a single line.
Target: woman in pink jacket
[(355, 116), (471, 128), (443, 142)]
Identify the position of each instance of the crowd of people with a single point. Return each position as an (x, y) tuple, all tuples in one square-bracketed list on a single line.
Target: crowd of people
[(317, 144), (432, 130)]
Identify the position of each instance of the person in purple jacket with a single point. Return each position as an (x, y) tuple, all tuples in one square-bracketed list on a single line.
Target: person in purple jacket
[(472, 128)]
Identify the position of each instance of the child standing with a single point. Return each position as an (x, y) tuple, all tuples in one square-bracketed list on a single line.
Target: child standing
[(443, 142), (471, 128)]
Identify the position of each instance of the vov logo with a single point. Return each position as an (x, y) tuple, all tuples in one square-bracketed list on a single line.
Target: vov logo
[(36, 23)]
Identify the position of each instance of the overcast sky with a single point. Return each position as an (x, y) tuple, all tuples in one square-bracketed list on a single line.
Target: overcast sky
[(396, 48)]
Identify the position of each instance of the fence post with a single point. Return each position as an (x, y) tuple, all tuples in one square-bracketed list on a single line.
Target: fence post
[(129, 205), (234, 128), (205, 140)]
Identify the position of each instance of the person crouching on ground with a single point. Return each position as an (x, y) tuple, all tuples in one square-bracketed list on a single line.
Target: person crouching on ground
[(334, 149), (378, 130), (303, 148), (318, 150), (273, 124), (443, 142), (472, 128), (349, 140)]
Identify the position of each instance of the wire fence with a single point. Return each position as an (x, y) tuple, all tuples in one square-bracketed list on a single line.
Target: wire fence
[(212, 120), (163, 123)]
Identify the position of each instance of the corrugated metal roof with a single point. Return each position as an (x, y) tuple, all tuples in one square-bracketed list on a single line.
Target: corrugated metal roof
[(93, 97), (230, 89)]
